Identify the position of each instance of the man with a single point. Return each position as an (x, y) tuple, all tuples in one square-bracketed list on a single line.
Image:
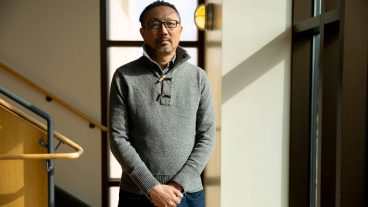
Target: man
[(161, 118)]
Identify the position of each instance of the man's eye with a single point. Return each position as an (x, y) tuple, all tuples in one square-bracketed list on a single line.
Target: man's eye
[(170, 24), (155, 24)]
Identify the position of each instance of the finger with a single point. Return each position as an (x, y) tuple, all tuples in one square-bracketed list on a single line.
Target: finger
[(178, 193), (176, 200)]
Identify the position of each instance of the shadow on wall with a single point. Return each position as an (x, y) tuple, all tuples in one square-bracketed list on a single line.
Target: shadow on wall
[(9, 198), (255, 66)]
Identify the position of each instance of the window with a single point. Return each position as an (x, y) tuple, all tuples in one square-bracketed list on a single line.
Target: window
[(328, 144)]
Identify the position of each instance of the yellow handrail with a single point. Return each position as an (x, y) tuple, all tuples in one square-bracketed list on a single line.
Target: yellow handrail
[(53, 97), (36, 123)]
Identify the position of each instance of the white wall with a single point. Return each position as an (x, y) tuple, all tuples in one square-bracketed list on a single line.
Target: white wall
[(255, 102), (56, 44)]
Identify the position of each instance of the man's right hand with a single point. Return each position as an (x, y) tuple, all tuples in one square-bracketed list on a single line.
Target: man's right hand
[(165, 196)]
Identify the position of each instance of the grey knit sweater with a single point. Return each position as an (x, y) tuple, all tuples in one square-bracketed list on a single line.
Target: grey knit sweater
[(161, 129)]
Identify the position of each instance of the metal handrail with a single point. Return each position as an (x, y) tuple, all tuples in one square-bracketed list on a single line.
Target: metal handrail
[(50, 135), (50, 96)]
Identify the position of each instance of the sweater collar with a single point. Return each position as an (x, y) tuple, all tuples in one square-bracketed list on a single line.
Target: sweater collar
[(180, 57)]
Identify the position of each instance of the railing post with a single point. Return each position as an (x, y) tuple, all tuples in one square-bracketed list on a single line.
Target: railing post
[(51, 165)]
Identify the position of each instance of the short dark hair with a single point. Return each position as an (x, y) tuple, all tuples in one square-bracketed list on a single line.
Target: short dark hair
[(154, 5)]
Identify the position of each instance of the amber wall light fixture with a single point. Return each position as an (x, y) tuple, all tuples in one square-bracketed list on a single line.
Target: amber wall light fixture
[(204, 16)]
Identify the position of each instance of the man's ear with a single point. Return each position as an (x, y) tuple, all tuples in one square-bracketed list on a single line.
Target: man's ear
[(141, 30)]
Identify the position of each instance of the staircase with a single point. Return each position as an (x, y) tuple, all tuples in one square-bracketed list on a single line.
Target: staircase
[(27, 154)]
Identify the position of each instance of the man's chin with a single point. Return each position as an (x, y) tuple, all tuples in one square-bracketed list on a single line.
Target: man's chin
[(165, 49)]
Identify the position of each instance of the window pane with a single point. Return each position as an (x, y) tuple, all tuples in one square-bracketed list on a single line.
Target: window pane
[(115, 168), (114, 196), (315, 140), (193, 52), (123, 18), (119, 56)]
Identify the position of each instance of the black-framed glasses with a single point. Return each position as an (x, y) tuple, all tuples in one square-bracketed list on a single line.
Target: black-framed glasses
[(168, 24)]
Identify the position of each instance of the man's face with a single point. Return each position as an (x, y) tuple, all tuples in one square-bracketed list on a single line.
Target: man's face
[(159, 38)]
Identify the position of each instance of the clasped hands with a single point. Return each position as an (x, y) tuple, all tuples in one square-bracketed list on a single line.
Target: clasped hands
[(166, 195)]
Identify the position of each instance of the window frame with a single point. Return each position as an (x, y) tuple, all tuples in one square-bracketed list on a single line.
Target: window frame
[(342, 101)]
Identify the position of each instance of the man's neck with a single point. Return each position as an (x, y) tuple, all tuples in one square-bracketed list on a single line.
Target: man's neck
[(162, 58)]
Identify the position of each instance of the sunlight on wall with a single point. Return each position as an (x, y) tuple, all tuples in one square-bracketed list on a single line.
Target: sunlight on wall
[(255, 98)]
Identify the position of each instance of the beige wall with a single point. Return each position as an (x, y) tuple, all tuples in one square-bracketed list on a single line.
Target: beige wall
[(56, 44), (213, 62), (256, 41)]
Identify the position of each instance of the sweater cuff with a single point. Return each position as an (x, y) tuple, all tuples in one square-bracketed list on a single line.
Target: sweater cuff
[(185, 176), (145, 179)]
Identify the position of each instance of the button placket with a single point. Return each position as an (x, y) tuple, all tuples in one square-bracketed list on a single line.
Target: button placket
[(164, 97)]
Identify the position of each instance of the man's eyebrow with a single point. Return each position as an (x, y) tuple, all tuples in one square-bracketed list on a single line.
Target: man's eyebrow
[(156, 19), (165, 19)]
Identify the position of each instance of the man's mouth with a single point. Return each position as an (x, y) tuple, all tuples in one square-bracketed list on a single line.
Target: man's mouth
[(164, 41)]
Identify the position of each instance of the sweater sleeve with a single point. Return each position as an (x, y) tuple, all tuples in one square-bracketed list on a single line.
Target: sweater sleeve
[(205, 137), (120, 144)]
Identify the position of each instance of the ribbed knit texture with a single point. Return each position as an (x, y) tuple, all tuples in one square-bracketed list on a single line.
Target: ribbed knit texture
[(161, 130)]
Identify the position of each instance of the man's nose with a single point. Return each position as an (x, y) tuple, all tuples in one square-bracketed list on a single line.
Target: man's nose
[(163, 29)]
